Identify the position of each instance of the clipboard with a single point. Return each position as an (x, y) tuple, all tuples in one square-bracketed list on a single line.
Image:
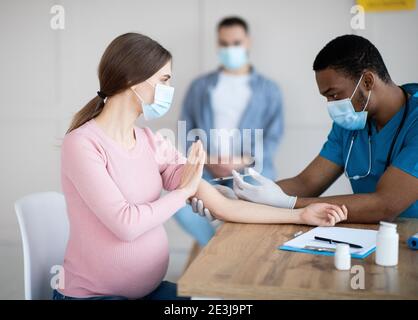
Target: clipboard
[(306, 242)]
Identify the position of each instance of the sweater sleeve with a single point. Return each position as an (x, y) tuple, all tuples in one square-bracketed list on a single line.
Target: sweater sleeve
[(85, 166), (170, 161)]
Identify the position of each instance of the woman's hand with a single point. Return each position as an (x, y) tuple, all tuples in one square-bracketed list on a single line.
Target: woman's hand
[(193, 169), (323, 214)]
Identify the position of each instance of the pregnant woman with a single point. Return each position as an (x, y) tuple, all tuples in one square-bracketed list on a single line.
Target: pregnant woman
[(113, 173)]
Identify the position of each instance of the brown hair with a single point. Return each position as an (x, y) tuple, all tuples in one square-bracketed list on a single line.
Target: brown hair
[(129, 59)]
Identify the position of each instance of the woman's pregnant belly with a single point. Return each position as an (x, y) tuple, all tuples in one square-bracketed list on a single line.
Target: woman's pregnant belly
[(101, 264)]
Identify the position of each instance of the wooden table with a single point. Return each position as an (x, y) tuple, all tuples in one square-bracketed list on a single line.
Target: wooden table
[(242, 262)]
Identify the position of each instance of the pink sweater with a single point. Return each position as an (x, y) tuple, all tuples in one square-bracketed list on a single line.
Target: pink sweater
[(117, 243)]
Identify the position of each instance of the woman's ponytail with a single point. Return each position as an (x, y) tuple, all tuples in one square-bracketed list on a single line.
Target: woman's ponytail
[(88, 112)]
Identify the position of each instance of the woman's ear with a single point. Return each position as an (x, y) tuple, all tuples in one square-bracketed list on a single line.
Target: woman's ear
[(143, 91), (369, 80), (133, 88)]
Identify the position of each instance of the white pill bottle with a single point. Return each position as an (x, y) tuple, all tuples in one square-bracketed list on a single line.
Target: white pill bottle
[(342, 257), (387, 245)]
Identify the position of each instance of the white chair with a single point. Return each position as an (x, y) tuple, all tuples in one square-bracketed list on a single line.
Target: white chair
[(44, 228)]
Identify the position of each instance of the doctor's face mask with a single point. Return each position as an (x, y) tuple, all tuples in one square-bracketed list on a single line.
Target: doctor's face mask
[(342, 111)]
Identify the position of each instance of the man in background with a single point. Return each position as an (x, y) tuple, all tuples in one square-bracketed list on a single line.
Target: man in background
[(233, 97)]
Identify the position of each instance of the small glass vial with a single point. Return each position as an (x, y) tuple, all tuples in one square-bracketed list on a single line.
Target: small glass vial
[(342, 257), (387, 245)]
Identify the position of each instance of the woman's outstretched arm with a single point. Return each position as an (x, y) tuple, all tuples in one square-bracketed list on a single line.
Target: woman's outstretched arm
[(320, 214)]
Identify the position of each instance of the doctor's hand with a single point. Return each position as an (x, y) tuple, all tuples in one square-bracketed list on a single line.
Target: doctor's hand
[(323, 214), (198, 205), (193, 169), (268, 192)]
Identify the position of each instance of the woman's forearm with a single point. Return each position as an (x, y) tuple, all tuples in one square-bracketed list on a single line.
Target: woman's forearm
[(243, 211)]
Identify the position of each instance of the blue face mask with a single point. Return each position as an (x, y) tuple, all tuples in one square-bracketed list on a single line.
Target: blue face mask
[(163, 97), (343, 114), (233, 57)]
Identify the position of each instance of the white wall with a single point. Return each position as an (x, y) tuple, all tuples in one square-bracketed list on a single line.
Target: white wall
[(46, 75)]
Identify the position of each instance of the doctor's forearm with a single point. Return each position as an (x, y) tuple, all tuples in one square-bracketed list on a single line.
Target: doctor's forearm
[(295, 187), (313, 180), (362, 208)]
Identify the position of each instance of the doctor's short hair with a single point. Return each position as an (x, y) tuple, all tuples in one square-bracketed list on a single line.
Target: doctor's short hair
[(233, 21), (352, 55)]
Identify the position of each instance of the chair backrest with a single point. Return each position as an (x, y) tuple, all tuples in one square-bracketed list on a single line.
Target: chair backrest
[(44, 228)]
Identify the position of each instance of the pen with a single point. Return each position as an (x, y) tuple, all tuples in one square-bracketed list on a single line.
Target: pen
[(331, 241), (297, 234), (320, 249)]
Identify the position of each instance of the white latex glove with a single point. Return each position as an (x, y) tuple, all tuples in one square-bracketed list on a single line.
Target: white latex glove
[(199, 208), (268, 192)]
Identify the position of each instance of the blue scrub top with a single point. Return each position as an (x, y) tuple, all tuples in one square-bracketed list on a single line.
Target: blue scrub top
[(404, 156)]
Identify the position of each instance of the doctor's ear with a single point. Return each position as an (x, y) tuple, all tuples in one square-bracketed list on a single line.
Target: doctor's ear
[(368, 80)]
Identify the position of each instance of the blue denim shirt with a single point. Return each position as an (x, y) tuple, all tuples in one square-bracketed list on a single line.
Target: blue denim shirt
[(264, 111)]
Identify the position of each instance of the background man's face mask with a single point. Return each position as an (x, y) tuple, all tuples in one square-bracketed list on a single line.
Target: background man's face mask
[(233, 57), (163, 98), (343, 113)]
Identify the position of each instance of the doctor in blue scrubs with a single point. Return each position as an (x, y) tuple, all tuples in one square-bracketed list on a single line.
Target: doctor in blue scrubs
[(373, 140)]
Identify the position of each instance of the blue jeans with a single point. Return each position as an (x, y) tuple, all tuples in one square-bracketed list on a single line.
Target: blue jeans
[(165, 291), (196, 226)]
